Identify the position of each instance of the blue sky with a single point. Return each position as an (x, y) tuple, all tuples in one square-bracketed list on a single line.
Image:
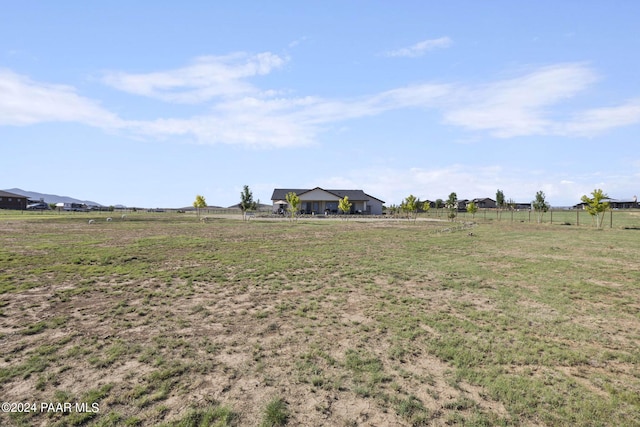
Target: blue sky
[(150, 103)]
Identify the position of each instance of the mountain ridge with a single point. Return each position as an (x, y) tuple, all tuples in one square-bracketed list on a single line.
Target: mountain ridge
[(50, 198)]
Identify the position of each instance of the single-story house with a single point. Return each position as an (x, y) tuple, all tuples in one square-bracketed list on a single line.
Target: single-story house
[(318, 201), (616, 204), (484, 203), (12, 201)]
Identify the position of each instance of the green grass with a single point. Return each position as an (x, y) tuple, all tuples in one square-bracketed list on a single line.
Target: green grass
[(164, 320), (276, 413)]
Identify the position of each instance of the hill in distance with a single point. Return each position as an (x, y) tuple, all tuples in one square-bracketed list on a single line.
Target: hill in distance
[(50, 198)]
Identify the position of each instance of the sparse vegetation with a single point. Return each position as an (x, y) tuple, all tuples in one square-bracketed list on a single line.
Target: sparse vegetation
[(596, 206), (164, 321), (275, 414)]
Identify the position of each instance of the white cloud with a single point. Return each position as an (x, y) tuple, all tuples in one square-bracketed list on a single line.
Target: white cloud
[(206, 78), (25, 102), (518, 106), (470, 181), (286, 122), (421, 48), (598, 120), (238, 113)]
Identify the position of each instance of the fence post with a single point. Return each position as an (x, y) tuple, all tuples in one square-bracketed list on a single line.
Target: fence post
[(578, 217), (551, 212), (611, 218)]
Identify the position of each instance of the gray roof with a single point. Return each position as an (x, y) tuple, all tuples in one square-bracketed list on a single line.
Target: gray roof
[(354, 195), (7, 194)]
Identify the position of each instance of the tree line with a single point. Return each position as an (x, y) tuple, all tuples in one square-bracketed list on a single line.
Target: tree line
[(596, 205)]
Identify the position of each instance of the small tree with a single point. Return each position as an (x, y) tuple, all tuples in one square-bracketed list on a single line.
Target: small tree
[(410, 207), (472, 208), (393, 210), (425, 206), (199, 203), (452, 205), (294, 203), (540, 205), (500, 203), (345, 205), (439, 205), (596, 206), (246, 202)]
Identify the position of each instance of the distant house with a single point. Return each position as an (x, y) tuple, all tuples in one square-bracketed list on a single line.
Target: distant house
[(12, 201), (485, 203), (616, 204), (318, 201), (526, 206)]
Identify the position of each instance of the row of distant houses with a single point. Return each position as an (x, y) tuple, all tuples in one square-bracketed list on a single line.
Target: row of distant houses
[(19, 202), (318, 201)]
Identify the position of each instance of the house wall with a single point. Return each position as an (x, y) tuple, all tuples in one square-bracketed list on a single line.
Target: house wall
[(375, 207), (19, 203)]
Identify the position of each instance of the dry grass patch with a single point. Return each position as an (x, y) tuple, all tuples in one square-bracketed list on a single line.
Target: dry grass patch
[(162, 319)]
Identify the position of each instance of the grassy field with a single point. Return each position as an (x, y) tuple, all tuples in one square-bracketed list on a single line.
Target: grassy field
[(160, 319)]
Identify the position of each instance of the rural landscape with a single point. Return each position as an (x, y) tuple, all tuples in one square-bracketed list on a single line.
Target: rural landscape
[(167, 319)]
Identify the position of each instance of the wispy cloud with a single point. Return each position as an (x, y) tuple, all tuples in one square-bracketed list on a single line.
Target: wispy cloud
[(598, 120), (285, 122), (236, 112), (470, 181), (421, 48), (518, 106), (205, 78), (24, 102)]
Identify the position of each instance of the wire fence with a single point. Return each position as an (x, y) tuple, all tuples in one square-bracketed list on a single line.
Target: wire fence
[(626, 218)]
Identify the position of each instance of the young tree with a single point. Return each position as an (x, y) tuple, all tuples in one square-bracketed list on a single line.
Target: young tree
[(344, 205), (393, 210), (425, 206), (199, 203), (452, 205), (540, 205), (246, 202), (596, 206), (500, 203), (410, 206), (294, 203), (439, 205), (472, 209)]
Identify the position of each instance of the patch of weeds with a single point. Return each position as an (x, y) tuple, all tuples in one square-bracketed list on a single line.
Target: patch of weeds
[(112, 354), (212, 416), (33, 365), (44, 379), (200, 309), (35, 328), (460, 404), (397, 352), (412, 409), (276, 413), (359, 362), (132, 421), (112, 419)]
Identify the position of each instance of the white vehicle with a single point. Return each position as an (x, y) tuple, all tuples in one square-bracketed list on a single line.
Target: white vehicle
[(75, 207)]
